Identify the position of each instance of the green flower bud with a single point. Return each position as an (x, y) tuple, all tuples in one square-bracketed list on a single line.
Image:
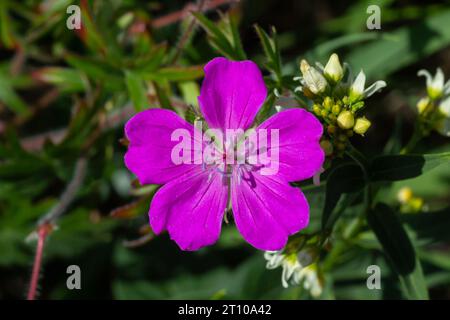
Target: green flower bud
[(361, 125), (327, 103), (313, 79), (404, 195), (357, 106), (345, 120), (327, 147), (317, 109), (333, 70), (336, 109), (346, 100), (423, 104), (324, 113)]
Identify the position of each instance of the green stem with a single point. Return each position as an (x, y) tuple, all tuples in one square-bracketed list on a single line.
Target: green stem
[(358, 222), (415, 138)]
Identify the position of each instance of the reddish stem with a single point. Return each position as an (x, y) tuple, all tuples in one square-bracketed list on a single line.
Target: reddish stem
[(43, 231)]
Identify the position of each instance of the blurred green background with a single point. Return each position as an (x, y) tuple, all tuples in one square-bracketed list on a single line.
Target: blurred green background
[(65, 95)]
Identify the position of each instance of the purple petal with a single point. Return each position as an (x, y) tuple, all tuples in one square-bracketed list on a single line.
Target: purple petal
[(191, 208), (300, 154), (231, 94), (150, 148), (267, 209)]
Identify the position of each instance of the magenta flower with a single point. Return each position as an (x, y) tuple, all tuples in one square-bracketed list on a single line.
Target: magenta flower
[(193, 199)]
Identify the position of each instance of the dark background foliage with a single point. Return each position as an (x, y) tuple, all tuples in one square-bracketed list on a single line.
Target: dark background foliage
[(65, 95)]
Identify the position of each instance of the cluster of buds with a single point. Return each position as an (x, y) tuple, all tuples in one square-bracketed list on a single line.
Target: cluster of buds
[(299, 263), (409, 203), (338, 103), (434, 109)]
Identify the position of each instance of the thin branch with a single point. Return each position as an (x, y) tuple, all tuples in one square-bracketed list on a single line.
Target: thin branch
[(187, 33), (47, 223), (68, 195), (174, 17), (42, 234), (139, 241)]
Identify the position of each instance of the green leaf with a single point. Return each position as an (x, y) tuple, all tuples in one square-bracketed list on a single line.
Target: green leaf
[(237, 43), (9, 97), (270, 47), (66, 79), (176, 74), (266, 109), (400, 167), (324, 50), (347, 178), (398, 248), (430, 227), (219, 40), (136, 90), (97, 70), (6, 35), (403, 46)]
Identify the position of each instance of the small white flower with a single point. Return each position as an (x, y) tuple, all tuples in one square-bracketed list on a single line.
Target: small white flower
[(311, 280), (312, 78), (443, 126), (358, 90), (435, 85), (274, 259), (297, 268)]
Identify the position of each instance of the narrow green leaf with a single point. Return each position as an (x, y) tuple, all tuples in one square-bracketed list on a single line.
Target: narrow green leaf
[(398, 248), (237, 43), (347, 178), (218, 39), (400, 167), (65, 79), (175, 74), (271, 51), (97, 71), (402, 47), (430, 227), (136, 90), (324, 50), (266, 109), (6, 35), (9, 97)]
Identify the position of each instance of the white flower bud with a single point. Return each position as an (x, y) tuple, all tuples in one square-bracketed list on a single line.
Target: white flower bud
[(313, 80), (333, 70)]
